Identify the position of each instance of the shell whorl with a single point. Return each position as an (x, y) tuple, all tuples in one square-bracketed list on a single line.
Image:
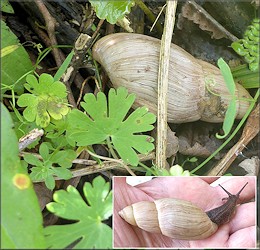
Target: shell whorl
[(132, 61), (174, 218)]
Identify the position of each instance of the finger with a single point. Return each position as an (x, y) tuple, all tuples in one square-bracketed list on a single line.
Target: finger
[(245, 217), (126, 235), (219, 239), (193, 189), (209, 179), (244, 238), (173, 187)]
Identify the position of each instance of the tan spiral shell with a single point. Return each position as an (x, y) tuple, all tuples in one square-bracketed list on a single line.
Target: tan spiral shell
[(132, 60), (174, 218)]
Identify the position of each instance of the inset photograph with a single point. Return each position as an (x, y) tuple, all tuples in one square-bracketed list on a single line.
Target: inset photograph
[(184, 212)]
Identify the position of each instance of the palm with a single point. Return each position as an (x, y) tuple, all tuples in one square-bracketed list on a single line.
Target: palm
[(232, 233)]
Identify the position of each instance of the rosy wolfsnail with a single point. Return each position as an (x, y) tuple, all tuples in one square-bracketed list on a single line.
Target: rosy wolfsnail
[(196, 88), (179, 219)]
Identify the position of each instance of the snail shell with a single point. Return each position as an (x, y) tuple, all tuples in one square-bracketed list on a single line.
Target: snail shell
[(180, 219), (170, 217), (132, 61)]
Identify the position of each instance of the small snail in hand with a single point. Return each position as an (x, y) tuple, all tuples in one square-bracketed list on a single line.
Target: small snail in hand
[(197, 89), (179, 219)]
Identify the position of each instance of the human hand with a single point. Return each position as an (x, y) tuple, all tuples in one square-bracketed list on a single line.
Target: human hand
[(240, 231)]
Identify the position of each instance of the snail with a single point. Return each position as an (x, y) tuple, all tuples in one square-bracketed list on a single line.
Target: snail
[(197, 90), (180, 219)]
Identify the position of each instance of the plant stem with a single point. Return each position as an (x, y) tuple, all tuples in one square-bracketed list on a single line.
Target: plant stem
[(147, 168), (110, 147), (97, 74), (246, 77), (112, 160), (10, 96), (149, 14), (163, 74), (231, 136)]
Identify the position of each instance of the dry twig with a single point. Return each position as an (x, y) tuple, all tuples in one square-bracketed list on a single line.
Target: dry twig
[(29, 138), (106, 165), (50, 23), (163, 84)]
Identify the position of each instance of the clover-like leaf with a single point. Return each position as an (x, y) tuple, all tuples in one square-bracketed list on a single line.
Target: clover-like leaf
[(47, 99), (88, 231), (112, 11), (104, 121)]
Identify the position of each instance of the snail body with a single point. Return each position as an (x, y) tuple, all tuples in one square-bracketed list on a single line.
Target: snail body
[(179, 219), (196, 88)]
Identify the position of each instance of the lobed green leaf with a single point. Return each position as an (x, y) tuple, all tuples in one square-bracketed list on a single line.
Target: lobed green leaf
[(88, 231), (104, 121)]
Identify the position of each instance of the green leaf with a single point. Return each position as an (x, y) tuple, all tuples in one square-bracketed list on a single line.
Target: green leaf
[(88, 230), (45, 169), (40, 173), (101, 123), (6, 7), (32, 159), (239, 48), (64, 158), (62, 172), (21, 127), (230, 115), (229, 119), (9, 49), (112, 11), (248, 47), (177, 170), (50, 182), (21, 219), (64, 66), (48, 99), (226, 73), (25, 99), (56, 110), (14, 65), (99, 197), (45, 173), (44, 151), (56, 128)]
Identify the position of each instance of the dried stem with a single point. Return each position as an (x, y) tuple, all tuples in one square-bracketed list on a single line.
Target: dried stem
[(149, 14), (106, 165), (83, 85), (80, 55), (163, 84), (113, 160), (50, 23), (29, 138)]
